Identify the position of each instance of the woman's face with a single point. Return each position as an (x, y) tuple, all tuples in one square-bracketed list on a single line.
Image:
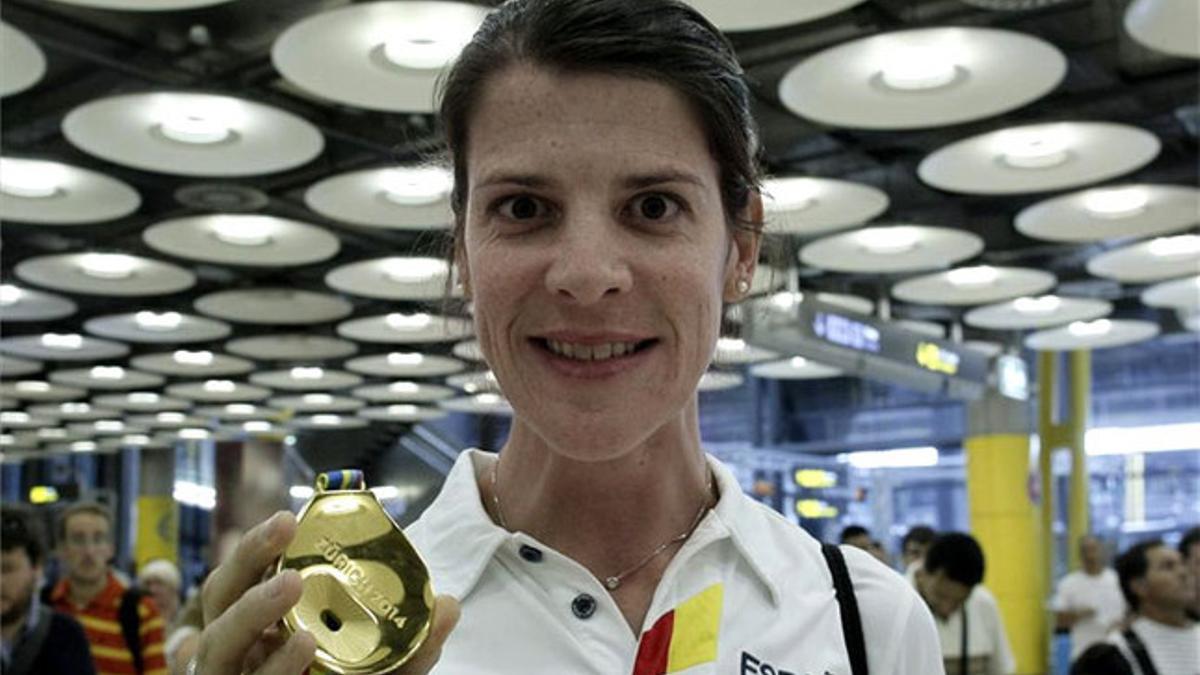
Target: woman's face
[(597, 254)]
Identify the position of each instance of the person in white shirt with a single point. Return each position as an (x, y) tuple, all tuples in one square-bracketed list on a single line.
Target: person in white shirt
[(1088, 601), (970, 629), (1162, 640), (606, 209)]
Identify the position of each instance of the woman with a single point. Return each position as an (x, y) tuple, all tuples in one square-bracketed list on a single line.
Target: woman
[(606, 209)]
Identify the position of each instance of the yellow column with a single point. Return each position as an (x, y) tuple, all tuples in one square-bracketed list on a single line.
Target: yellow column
[(1075, 429), (157, 513), (1007, 523)]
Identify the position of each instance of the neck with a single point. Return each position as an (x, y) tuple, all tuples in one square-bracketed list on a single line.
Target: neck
[(82, 592), (1171, 616), (9, 631), (1093, 570), (606, 515)]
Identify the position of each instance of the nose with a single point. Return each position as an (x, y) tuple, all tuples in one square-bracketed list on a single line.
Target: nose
[(590, 261)]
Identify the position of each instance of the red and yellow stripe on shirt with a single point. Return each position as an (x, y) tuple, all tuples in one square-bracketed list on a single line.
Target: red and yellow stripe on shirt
[(684, 637), (102, 623)]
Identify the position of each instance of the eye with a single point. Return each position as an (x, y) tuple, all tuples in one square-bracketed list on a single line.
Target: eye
[(522, 207), (655, 206)]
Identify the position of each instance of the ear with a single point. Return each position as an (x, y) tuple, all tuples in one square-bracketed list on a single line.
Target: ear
[(744, 246)]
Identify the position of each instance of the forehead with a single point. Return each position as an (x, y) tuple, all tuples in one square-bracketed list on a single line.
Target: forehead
[(88, 522), (531, 115), (1162, 555)]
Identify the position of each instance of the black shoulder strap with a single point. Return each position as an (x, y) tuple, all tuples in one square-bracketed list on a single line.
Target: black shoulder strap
[(131, 624), (851, 621), (28, 648), (1138, 649), (964, 658)]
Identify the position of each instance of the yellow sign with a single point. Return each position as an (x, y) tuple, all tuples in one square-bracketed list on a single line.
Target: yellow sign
[(157, 528), (42, 494), (932, 357), (815, 478), (815, 508)]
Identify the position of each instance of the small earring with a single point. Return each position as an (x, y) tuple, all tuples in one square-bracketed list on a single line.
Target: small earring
[(743, 286)]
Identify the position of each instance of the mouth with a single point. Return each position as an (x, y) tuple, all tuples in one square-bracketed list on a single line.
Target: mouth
[(593, 352)]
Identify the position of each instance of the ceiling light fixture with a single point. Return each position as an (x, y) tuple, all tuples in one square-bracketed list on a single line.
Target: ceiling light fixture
[(327, 420), (306, 373), (726, 344), (144, 398), (63, 341), (787, 300), (1116, 202), (193, 434), (135, 439), (1033, 148), (415, 186), (408, 322), (108, 265), (318, 399), (195, 128), (33, 386), (241, 409), (798, 362), (30, 179), (10, 295), (14, 417), (105, 426), (413, 270), (405, 359), (158, 321), (75, 408), (404, 387), (790, 194), (169, 417), (256, 426), (889, 240), (107, 373), (1171, 247), (83, 446), (185, 358), (1090, 328), (919, 69), (244, 230), (220, 386), (402, 409), (980, 275), (1043, 305), (423, 50), (487, 398)]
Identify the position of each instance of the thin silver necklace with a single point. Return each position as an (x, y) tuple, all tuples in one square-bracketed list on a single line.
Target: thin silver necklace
[(614, 582)]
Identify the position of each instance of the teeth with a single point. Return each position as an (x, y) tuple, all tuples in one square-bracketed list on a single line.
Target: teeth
[(598, 352)]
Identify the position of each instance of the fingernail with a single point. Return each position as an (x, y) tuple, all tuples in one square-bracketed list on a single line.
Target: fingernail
[(280, 582), (275, 526)]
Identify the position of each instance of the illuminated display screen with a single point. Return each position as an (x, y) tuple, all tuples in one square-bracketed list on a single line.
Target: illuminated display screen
[(846, 332)]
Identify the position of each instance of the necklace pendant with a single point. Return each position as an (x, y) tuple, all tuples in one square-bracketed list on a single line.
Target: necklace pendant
[(611, 583)]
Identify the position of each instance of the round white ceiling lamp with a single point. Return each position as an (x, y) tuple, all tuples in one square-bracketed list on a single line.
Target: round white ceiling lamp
[(192, 363), (292, 347), (75, 411), (24, 304), (1039, 157), (317, 402), (40, 390), (1133, 210), (321, 421), (807, 206), (238, 412), (401, 364), (794, 368), (243, 239), (486, 403), (273, 306), (53, 434), (1189, 320), (378, 55), (1167, 26), (469, 350), (113, 274), (1149, 261), (151, 327), (108, 377), (24, 62), (1181, 294), (923, 77), (735, 351), (105, 428), (306, 378), (191, 134), (1037, 312), (169, 419), (714, 380), (764, 14), (403, 391), (11, 367), (394, 278), (19, 419), (397, 197), (475, 382), (53, 193), (401, 328), (891, 249), (401, 413), (1098, 334), (141, 402), (975, 285), (218, 391), (62, 347), (144, 5)]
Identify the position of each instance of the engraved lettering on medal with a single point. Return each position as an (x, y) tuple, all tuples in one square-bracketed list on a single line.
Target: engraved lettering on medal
[(335, 556)]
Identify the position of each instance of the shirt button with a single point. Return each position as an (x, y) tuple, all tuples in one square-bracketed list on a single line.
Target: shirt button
[(530, 554), (584, 606)]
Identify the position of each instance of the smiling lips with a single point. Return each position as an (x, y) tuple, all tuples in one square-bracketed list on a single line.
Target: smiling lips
[(589, 351), (595, 352)]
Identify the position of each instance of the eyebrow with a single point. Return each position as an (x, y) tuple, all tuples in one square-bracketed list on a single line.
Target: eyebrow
[(634, 182)]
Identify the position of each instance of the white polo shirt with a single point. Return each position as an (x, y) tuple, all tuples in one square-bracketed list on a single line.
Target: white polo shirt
[(1100, 593), (748, 594)]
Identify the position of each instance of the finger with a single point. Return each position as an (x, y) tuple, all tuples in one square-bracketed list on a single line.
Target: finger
[(445, 617), (292, 658), (270, 641), (256, 550), (229, 639)]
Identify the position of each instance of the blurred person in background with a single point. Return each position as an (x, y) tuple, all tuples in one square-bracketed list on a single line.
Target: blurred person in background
[(968, 619), (160, 579), (1162, 640), (122, 625), (856, 536), (34, 639), (1189, 548), (878, 550), (1088, 601), (913, 547)]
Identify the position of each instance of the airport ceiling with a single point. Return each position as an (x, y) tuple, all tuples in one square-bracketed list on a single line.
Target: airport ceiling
[(992, 141)]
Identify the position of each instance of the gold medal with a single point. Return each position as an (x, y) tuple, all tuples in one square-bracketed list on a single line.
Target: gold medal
[(367, 596)]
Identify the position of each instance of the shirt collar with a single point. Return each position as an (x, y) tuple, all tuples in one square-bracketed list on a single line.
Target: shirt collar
[(110, 594), (456, 521)]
